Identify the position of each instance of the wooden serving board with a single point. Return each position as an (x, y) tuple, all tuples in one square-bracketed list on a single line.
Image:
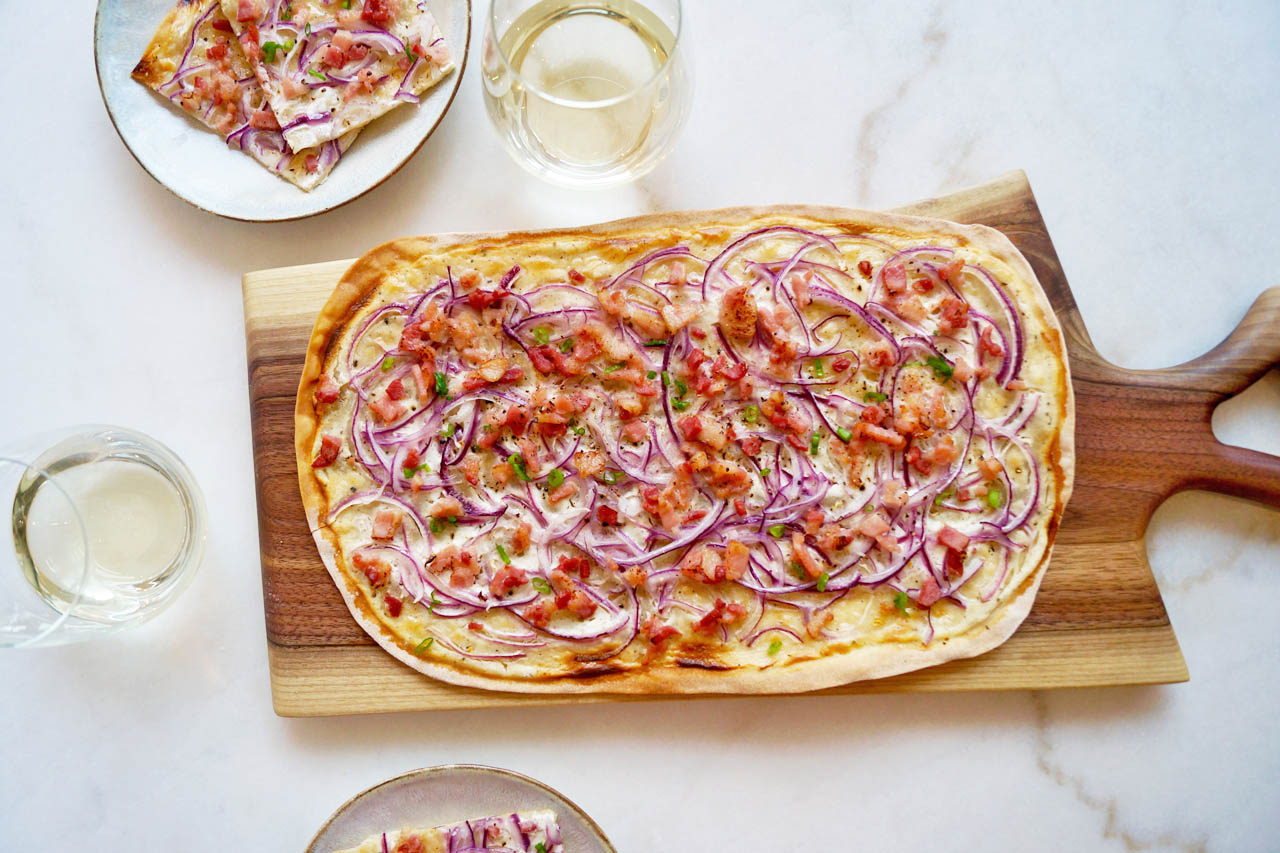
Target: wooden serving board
[(1098, 620)]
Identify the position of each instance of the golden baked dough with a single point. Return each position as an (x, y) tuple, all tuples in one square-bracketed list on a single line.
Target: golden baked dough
[(756, 449)]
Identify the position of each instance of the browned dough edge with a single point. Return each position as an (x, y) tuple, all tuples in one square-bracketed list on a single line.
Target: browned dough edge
[(365, 275)]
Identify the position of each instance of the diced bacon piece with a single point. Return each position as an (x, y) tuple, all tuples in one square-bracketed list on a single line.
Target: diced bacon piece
[(311, 162), (442, 560), (695, 358), (922, 285), (327, 389), (248, 10), (614, 302), (911, 309), (581, 604), (953, 564), (990, 467), (607, 515), (721, 613), (374, 568), (833, 537), (878, 353), (840, 364), (955, 314), (690, 427), (577, 277), (733, 371), (894, 495), (291, 88), (217, 50), (543, 359), (494, 369), (394, 605), (419, 381), (802, 554), (944, 452), (567, 489), (532, 456), (678, 316), (385, 524), (880, 434), (796, 442), (334, 56), (917, 459), (590, 462), (736, 560), (502, 472), (988, 345), (634, 431), (953, 539), (395, 390), (264, 119), (728, 479), (516, 419), (409, 844), (634, 575), (471, 469), (378, 12), (521, 539), (329, 447), (929, 593), (738, 313), (658, 633), (539, 613), (342, 40), (814, 625), (873, 525), (1016, 385), (713, 435), (751, 444), (463, 575), (887, 543), (386, 410), (894, 276), (874, 414), (629, 405), (954, 271), (445, 508), (740, 506), (864, 267), (813, 520), (505, 579), (222, 25), (800, 287)]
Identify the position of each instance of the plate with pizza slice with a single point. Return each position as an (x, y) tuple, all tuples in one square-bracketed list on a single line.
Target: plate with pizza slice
[(459, 807), (269, 110)]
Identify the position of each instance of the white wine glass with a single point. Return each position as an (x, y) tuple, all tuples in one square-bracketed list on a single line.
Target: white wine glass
[(106, 527), (586, 93)]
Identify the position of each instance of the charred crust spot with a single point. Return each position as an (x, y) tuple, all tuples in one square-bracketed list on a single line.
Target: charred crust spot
[(690, 663), (596, 670)]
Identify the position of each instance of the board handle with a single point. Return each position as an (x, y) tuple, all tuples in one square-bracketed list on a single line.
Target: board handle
[(1252, 348)]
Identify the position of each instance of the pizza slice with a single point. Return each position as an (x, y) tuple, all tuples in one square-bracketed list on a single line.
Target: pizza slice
[(532, 832), (331, 67), (195, 62)]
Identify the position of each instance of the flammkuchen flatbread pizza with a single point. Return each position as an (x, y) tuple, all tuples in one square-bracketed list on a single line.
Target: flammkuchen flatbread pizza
[(746, 450)]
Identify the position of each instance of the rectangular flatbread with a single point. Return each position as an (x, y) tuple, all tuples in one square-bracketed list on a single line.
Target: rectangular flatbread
[(195, 62), (531, 832), (331, 67)]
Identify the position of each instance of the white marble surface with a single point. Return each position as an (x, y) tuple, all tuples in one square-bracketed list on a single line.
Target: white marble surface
[(1150, 133)]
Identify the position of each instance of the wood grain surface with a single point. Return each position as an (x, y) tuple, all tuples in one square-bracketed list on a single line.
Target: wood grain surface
[(1098, 620)]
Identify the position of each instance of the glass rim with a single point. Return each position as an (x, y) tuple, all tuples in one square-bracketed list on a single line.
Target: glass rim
[(492, 27), (83, 579)]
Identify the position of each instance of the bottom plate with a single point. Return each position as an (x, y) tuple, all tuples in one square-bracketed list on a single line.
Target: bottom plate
[(438, 795)]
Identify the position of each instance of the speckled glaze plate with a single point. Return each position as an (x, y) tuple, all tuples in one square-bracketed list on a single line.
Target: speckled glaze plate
[(438, 795), (226, 182)]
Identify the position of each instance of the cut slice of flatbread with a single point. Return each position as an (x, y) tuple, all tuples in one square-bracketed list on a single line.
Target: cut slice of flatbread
[(535, 832), (195, 61), (331, 67)]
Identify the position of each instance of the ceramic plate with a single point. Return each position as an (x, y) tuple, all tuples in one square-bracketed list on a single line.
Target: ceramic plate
[(165, 142), (439, 795)]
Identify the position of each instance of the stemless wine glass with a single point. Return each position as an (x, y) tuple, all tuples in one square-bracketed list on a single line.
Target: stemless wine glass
[(586, 93), (106, 527)]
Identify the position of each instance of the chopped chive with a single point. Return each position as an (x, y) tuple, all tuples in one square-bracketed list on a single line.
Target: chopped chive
[(652, 374), (435, 525), (316, 74), (655, 343), (942, 496), (541, 585), (307, 29), (775, 647), (822, 581), (424, 645), (431, 605), (681, 387), (797, 569), (269, 49), (539, 848), (679, 405), (555, 478), (502, 554), (610, 478), (900, 600), (818, 370), (940, 367), (870, 507), (613, 368), (516, 461), (542, 335), (750, 414), (875, 397), (448, 431), (346, 4), (388, 363), (995, 497), (442, 384), (777, 530), (666, 379), (409, 472), (765, 472), (566, 345), (844, 435), (815, 441), (578, 430)]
